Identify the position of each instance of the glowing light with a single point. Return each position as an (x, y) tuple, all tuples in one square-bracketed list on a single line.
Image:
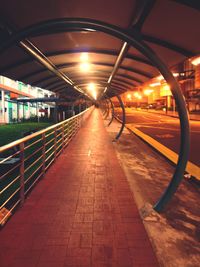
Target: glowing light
[(196, 61), (91, 87), (137, 95), (148, 91), (175, 74), (129, 97), (166, 87), (85, 66), (154, 84), (84, 57), (160, 78), (94, 95)]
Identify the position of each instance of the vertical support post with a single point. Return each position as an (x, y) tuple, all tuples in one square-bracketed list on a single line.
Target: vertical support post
[(107, 109), (55, 143), (17, 111), (3, 105), (63, 136), (43, 153), (21, 147), (56, 113), (123, 117), (113, 112)]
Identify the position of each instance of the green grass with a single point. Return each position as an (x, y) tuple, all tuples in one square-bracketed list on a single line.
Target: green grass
[(12, 132)]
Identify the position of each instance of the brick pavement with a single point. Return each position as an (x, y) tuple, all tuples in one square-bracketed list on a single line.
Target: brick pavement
[(82, 213)]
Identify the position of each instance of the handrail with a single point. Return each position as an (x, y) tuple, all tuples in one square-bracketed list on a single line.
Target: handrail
[(34, 158), (29, 137)]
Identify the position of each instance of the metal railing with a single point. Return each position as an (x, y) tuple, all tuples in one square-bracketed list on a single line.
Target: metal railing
[(25, 161)]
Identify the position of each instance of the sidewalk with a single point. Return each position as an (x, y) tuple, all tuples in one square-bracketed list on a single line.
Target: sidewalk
[(81, 214)]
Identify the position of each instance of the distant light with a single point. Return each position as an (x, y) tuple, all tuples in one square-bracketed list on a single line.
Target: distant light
[(148, 91), (196, 61), (85, 66), (166, 87), (94, 94), (84, 57), (129, 96), (175, 74), (154, 84), (91, 87), (137, 95), (159, 78)]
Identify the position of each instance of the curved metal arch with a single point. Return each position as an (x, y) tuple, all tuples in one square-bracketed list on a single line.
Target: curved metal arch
[(65, 65), (135, 41), (113, 111), (74, 77), (63, 52), (102, 78), (125, 76), (123, 118), (104, 83)]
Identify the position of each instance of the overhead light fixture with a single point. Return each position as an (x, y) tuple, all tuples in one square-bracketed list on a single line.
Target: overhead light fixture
[(85, 66), (84, 57), (195, 61), (91, 87)]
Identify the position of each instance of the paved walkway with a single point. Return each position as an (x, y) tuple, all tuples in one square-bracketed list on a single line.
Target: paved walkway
[(81, 214)]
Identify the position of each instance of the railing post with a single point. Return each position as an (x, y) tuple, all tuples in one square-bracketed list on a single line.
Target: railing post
[(63, 136), (43, 153), (55, 143), (21, 147)]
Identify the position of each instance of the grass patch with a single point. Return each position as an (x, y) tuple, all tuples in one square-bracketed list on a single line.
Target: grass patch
[(12, 132)]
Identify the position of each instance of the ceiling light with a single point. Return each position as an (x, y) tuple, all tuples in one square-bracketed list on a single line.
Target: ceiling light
[(91, 86), (84, 57), (85, 66)]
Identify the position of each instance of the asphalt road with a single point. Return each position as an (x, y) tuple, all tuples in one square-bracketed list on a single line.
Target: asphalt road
[(165, 130)]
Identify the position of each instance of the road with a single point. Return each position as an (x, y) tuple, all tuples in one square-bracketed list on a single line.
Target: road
[(165, 130)]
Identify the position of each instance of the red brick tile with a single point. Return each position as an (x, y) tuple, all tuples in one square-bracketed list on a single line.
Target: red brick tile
[(85, 216)]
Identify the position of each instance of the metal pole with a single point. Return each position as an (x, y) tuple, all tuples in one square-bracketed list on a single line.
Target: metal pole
[(21, 147), (43, 153), (113, 112), (123, 117)]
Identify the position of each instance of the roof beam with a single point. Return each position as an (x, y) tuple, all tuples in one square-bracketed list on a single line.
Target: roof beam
[(65, 65), (167, 45), (63, 52)]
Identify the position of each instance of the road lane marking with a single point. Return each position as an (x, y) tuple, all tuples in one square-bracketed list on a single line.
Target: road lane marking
[(191, 168)]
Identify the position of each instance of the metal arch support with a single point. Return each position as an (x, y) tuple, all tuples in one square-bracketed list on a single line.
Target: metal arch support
[(113, 112), (123, 117), (107, 109), (66, 24)]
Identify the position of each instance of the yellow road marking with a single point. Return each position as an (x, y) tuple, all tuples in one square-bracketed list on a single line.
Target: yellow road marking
[(191, 168)]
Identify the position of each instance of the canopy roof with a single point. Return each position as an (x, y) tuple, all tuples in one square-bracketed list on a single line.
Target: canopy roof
[(51, 59)]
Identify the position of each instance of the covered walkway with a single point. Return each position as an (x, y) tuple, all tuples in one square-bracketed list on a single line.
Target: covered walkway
[(82, 213)]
